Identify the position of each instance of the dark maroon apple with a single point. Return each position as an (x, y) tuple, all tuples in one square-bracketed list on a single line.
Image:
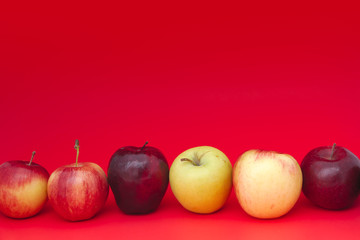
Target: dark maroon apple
[(138, 177), (331, 177)]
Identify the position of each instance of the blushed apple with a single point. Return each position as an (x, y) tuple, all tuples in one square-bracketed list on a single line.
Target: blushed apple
[(200, 179), (78, 191), (267, 184), (23, 188)]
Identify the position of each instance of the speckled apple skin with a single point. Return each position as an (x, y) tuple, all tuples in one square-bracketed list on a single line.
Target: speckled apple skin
[(205, 188)]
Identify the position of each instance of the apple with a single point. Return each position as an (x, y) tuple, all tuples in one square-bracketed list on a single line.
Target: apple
[(138, 177), (23, 188), (267, 184), (200, 179), (331, 177), (78, 191)]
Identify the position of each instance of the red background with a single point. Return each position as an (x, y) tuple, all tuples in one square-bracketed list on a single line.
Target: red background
[(275, 75)]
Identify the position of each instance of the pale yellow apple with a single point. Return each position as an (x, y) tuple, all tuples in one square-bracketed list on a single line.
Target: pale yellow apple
[(267, 184), (200, 179)]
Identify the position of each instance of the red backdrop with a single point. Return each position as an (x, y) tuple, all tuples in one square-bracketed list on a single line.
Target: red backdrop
[(275, 75)]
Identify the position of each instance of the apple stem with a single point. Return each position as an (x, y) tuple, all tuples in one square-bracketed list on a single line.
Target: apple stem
[(77, 151), (144, 145), (32, 157), (332, 151), (195, 162)]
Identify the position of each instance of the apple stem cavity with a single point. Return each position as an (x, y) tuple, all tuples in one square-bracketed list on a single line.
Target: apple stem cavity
[(332, 151), (144, 145), (77, 151), (195, 162), (32, 157)]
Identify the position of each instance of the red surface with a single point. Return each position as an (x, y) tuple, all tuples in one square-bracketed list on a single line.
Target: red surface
[(276, 75)]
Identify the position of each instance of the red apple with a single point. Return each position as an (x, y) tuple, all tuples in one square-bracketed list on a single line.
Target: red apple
[(138, 177), (22, 188), (78, 191), (331, 177)]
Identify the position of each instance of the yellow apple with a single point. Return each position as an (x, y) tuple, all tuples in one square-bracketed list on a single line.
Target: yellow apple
[(267, 184), (200, 179)]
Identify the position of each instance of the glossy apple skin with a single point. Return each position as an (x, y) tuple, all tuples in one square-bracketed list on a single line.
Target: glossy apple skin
[(331, 184), (78, 193), (23, 188), (138, 178)]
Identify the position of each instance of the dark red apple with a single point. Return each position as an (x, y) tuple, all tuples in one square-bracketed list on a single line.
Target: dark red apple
[(331, 177), (23, 187), (78, 191), (138, 177)]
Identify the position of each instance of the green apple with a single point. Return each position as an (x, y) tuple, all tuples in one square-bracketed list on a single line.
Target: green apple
[(267, 184), (201, 179)]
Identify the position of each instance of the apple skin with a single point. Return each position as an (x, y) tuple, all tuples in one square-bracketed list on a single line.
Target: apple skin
[(23, 188), (331, 183), (139, 178), (202, 188), (78, 192), (267, 184)]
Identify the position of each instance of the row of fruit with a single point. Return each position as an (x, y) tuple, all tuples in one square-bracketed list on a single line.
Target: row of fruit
[(267, 184)]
